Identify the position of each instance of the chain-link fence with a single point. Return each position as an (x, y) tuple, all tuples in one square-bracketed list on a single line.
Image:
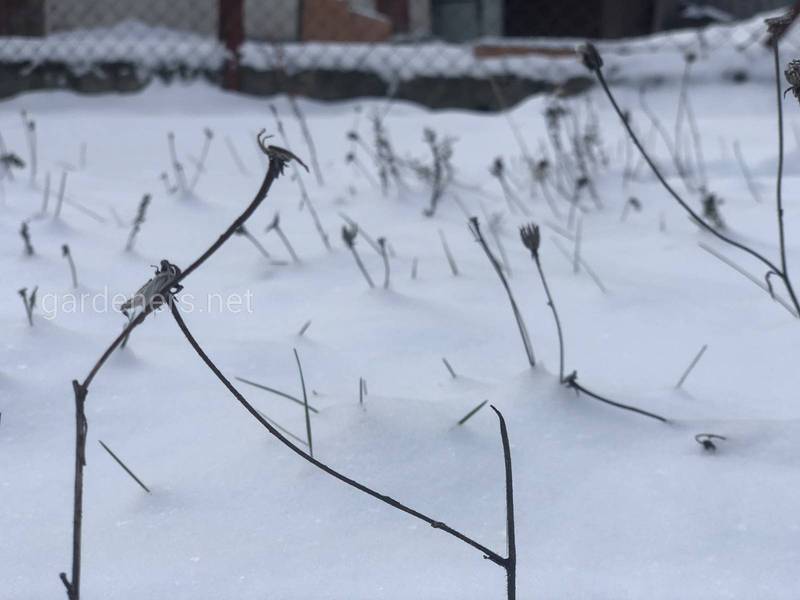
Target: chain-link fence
[(339, 48)]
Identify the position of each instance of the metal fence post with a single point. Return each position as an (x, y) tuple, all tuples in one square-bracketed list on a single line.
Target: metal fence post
[(231, 33)]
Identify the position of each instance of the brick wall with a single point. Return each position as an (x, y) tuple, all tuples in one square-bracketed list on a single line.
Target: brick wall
[(335, 21)]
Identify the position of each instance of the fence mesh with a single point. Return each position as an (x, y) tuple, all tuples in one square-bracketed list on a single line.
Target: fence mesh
[(118, 44)]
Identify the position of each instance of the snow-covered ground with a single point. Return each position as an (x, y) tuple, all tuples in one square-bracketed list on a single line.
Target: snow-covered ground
[(609, 504)]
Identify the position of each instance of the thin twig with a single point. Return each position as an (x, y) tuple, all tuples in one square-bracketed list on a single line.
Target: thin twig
[(523, 330), (531, 239), (122, 464), (471, 413), (571, 381), (592, 274), (450, 260), (61, 188), (266, 388), (236, 158), (449, 368), (304, 328), (691, 366), (748, 177), (65, 252), (305, 404)]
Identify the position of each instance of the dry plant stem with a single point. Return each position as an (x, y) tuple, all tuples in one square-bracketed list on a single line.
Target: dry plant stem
[(511, 536), (61, 189), (784, 272), (548, 197), (201, 162), (46, 194), (592, 274), (277, 426), (691, 366), (361, 266), (276, 166), (767, 262), (571, 382), (73, 271), (414, 267), (305, 404), (698, 143), (370, 240), (288, 244), (236, 158), (523, 330), (306, 199), (257, 244), (386, 268), (125, 467), (576, 255), (450, 260), (748, 177), (304, 328), (471, 413), (177, 167), (73, 584), (507, 563), (681, 112), (449, 368), (552, 306), (312, 149), (758, 282), (261, 386)]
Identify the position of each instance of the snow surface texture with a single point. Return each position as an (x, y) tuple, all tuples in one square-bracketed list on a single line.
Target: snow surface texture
[(609, 504), (729, 48)]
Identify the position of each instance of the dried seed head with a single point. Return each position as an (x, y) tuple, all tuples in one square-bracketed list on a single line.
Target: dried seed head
[(349, 235), (350, 157), (208, 133), (706, 441), (10, 160), (792, 74), (497, 168), (64, 250), (690, 57), (281, 156), (352, 136), (590, 57), (777, 26), (531, 238), (635, 203)]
